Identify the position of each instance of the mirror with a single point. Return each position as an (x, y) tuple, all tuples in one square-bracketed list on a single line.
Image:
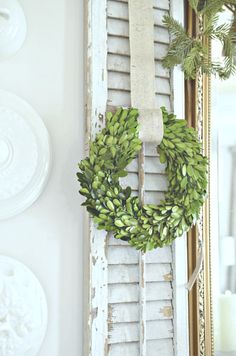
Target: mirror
[(223, 205)]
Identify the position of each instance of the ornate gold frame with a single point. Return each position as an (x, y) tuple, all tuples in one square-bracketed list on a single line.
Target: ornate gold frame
[(197, 110)]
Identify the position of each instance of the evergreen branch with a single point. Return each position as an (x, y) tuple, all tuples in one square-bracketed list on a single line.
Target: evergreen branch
[(175, 27), (220, 32), (194, 60), (190, 51), (227, 69), (209, 24)]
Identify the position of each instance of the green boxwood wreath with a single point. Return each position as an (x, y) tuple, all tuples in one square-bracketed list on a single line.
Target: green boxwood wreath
[(114, 209)]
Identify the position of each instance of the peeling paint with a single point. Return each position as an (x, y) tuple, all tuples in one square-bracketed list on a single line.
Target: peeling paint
[(105, 347), (168, 277), (166, 312), (94, 313), (93, 293), (94, 260), (110, 314), (101, 117)]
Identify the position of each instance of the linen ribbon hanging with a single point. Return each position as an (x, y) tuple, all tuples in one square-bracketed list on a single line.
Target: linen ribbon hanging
[(142, 72)]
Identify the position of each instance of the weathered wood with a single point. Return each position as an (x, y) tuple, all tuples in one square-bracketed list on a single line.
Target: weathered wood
[(121, 81), (125, 293), (159, 329), (129, 312), (151, 150), (120, 28), (121, 273), (161, 347), (122, 98), (130, 273), (154, 197), (120, 45), (161, 4), (130, 348), (126, 254), (119, 10), (154, 348), (153, 182), (118, 98), (158, 4), (96, 330), (164, 100), (121, 64), (152, 165)]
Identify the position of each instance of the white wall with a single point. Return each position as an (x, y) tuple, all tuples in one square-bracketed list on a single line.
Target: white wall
[(48, 73)]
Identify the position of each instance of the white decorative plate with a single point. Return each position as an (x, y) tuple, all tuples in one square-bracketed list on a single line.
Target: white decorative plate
[(13, 27), (24, 155), (23, 310)]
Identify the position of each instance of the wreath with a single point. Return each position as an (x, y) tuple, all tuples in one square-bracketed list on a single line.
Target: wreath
[(115, 210)]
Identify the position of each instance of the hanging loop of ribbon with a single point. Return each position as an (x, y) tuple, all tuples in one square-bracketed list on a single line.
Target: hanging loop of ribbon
[(142, 70)]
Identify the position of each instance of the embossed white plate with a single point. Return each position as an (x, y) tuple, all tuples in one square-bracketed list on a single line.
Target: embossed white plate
[(12, 27), (23, 310), (24, 155)]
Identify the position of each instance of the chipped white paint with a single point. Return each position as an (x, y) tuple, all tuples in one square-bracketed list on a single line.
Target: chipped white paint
[(156, 310), (129, 292), (96, 330), (154, 348), (155, 272), (124, 254), (130, 332)]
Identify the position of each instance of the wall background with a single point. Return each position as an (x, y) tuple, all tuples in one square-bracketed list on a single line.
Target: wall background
[(48, 73)]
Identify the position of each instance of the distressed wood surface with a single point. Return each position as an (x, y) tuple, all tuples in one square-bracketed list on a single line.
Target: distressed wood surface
[(96, 328), (123, 261), (121, 81), (120, 45), (129, 332), (151, 165), (121, 64), (120, 28), (119, 10), (153, 182), (154, 348), (126, 254), (122, 98), (156, 310), (157, 4), (114, 266), (129, 292), (155, 272)]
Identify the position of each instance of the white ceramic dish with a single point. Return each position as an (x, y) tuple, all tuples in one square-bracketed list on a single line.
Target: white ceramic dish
[(25, 155), (13, 28), (23, 310)]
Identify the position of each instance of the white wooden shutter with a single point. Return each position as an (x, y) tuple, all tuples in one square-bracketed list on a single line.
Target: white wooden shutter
[(112, 317)]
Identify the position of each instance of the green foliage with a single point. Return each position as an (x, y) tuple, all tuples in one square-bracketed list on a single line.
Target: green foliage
[(114, 209), (191, 52)]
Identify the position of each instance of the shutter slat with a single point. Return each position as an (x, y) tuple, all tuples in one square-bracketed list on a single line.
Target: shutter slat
[(129, 312), (126, 254), (129, 332)]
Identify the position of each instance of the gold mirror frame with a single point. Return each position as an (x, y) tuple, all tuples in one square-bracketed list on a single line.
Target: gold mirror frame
[(197, 111)]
